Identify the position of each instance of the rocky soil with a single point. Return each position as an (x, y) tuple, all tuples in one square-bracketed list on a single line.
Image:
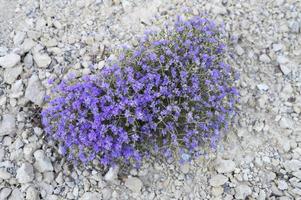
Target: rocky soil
[(260, 158)]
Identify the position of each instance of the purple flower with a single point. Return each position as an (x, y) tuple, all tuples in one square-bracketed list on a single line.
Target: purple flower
[(171, 94)]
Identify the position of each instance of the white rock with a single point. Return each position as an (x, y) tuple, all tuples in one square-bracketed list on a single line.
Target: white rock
[(285, 143), (224, 166), (91, 196), (261, 195), (294, 26), (80, 4), (134, 184), (282, 185), (218, 180), (297, 191), (277, 47), (4, 193), (239, 50), (101, 64), (16, 194), (258, 126), (262, 87), (286, 123), (40, 23), (3, 51), (127, 5), (42, 60), (35, 91), (38, 131), (185, 168), (106, 193), (28, 60), (42, 163), (111, 175), (75, 191), (8, 125), (9, 60), (11, 74), (279, 2), (16, 90), (217, 191), (282, 59), (19, 37), (264, 58), (59, 179), (57, 24), (242, 191), (27, 45), (292, 165), (32, 194), (2, 154), (4, 174), (220, 10), (25, 173), (28, 150), (297, 174), (287, 90), (285, 69)]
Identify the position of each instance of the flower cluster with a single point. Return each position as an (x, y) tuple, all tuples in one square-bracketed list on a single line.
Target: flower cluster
[(171, 94)]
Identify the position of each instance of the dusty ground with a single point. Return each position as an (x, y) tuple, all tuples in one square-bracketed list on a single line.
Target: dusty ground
[(260, 158), (9, 19)]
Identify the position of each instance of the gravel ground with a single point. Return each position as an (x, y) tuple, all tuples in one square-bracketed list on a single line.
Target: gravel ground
[(260, 158)]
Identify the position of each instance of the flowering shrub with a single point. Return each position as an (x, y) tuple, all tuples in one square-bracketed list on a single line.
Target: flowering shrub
[(171, 94)]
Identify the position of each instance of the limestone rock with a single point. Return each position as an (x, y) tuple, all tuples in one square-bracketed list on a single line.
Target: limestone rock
[(28, 150), (297, 174), (25, 173), (4, 174), (111, 175), (240, 51), (264, 58), (32, 194), (42, 60), (19, 37), (294, 26), (91, 196), (218, 180), (224, 166), (10, 60), (16, 194), (285, 69), (242, 191), (27, 45), (282, 59), (297, 191), (7, 125), (292, 165), (11, 74), (185, 168), (16, 89), (5, 192), (282, 185), (42, 163), (106, 193), (134, 184), (277, 47), (35, 91), (286, 123), (28, 60), (262, 87)]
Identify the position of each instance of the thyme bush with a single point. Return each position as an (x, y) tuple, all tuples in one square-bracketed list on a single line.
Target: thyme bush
[(171, 94)]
